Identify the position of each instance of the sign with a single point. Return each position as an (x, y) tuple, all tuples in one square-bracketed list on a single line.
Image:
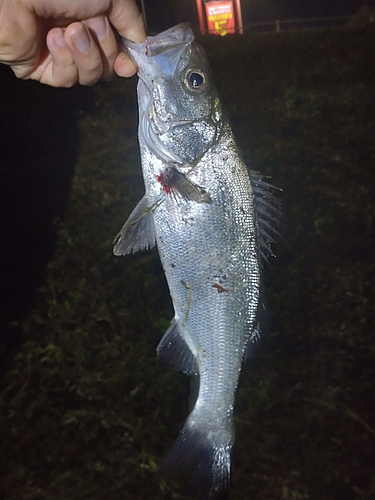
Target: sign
[(220, 17)]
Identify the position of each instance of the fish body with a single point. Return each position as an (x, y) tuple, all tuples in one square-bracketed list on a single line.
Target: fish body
[(199, 208)]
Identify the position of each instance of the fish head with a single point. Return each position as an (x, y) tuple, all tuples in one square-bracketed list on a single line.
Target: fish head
[(180, 114)]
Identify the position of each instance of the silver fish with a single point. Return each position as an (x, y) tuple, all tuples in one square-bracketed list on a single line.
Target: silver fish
[(212, 223)]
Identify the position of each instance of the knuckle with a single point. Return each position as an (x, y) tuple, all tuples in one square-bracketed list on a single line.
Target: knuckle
[(90, 72), (65, 76)]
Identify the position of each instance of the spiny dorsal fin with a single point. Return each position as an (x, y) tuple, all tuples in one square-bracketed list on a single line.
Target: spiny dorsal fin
[(268, 215)]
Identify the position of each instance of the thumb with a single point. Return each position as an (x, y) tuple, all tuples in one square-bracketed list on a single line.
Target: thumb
[(127, 20)]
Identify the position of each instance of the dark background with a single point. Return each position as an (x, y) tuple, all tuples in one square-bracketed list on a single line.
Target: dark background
[(161, 15), (85, 412)]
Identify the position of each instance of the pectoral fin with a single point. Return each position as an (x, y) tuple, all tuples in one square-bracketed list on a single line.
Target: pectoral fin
[(174, 350), (176, 183), (138, 232)]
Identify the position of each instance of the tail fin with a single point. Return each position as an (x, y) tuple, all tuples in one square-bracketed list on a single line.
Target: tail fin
[(201, 459)]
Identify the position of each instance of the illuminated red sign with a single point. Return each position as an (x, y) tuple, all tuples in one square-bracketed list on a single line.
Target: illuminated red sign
[(220, 17)]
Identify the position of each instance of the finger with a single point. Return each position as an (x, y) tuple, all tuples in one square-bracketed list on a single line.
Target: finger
[(124, 66), (84, 52), (59, 69), (20, 33), (106, 41), (128, 21)]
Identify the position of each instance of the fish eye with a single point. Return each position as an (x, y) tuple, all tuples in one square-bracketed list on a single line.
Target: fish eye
[(195, 79)]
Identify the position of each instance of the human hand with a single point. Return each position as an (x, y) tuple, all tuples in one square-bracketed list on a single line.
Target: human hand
[(63, 42)]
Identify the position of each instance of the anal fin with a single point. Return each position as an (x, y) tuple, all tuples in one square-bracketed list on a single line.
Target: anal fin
[(174, 350)]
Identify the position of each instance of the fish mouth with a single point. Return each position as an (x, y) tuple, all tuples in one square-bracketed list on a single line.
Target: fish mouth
[(182, 34)]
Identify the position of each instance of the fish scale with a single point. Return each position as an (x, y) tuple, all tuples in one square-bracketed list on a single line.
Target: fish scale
[(200, 209)]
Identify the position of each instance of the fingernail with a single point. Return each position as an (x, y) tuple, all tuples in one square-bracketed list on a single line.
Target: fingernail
[(99, 26), (81, 41), (59, 38)]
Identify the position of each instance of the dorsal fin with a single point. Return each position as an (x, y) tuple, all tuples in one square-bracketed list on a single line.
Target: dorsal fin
[(262, 325), (268, 215)]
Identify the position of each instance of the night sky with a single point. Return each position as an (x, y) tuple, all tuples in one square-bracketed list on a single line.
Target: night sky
[(163, 15)]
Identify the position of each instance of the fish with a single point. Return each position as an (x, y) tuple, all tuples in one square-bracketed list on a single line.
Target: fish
[(213, 222)]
